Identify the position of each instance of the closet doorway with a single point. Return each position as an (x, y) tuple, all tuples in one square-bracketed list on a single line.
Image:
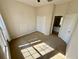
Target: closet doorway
[(57, 24)]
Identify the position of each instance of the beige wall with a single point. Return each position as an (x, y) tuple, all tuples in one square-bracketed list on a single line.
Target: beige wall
[(60, 9), (66, 8), (72, 48), (46, 12), (19, 18)]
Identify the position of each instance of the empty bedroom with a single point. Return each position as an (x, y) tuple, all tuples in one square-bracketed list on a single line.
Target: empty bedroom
[(38, 29)]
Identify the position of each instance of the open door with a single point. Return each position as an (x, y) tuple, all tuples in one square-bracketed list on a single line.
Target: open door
[(3, 44), (2, 56), (67, 27), (57, 24), (4, 37)]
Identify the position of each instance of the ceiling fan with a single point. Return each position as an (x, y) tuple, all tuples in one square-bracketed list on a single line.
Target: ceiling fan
[(47, 0), (38, 0)]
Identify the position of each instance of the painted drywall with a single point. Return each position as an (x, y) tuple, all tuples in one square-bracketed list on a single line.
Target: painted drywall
[(45, 13), (60, 9), (69, 21), (72, 47), (19, 18)]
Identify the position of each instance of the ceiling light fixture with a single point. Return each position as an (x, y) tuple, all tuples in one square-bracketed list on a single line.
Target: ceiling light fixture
[(50, 0), (38, 0)]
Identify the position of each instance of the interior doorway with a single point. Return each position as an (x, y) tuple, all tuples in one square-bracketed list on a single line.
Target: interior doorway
[(57, 24)]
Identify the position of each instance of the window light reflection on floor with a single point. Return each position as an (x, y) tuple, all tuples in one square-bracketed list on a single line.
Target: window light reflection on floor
[(24, 45), (29, 43), (58, 56), (43, 48), (35, 42), (30, 53)]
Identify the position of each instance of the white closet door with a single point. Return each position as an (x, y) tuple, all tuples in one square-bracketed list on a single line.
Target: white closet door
[(41, 23)]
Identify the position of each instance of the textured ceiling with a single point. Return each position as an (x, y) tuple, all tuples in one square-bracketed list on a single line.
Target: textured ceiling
[(42, 2)]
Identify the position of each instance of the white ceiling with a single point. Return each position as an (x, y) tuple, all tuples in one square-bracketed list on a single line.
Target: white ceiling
[(42, 2)]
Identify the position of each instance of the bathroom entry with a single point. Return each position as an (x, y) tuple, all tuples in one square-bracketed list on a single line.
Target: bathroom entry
[(57, 24)]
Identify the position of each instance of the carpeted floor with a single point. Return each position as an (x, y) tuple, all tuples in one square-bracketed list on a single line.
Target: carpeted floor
[(38, 46)]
